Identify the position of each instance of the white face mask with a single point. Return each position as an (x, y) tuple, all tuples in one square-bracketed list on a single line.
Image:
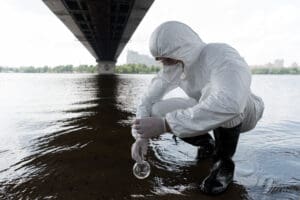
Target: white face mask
[(173, 73)]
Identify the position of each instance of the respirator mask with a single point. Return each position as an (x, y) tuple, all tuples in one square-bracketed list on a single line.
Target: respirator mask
[(174, 73)]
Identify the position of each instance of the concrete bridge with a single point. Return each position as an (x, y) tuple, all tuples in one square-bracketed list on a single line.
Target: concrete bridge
[(102, 26)]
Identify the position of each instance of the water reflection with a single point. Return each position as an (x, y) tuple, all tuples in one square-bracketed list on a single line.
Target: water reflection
[(89, 157), (83, 150)]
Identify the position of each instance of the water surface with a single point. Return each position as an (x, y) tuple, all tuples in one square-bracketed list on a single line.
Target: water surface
[(66, 136)]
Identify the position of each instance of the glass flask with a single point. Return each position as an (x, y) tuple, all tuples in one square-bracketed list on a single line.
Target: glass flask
[(141, 170)]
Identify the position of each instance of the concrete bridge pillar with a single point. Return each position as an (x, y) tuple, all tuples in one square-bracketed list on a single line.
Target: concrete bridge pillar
[(106, 67)]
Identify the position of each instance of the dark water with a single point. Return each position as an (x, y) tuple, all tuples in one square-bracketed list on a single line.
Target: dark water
[(68, 137)]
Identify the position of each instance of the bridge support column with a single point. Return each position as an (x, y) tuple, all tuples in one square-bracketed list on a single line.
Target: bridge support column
[(106, 67)]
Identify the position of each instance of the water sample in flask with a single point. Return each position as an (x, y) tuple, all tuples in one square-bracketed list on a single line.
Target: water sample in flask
[(141, 170)]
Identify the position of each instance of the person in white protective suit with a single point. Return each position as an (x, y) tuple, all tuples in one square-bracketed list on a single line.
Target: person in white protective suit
[(217, 80)]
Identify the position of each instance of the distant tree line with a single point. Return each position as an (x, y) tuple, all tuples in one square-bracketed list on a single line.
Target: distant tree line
[(57, 69), (276, 70), (276, 67), (137, 69), (122, 69)]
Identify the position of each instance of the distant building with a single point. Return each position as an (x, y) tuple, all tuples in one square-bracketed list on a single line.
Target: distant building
[(134, 57), (294, 64), (279, 63)]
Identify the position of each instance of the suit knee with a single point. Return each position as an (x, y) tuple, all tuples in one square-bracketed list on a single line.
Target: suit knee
[(156, 111)]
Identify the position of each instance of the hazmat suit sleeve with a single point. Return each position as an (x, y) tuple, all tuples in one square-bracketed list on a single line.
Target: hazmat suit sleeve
[(161, 84), (223, 99)]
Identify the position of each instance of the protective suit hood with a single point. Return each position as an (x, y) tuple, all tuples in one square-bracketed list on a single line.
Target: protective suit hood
[(176, 40)]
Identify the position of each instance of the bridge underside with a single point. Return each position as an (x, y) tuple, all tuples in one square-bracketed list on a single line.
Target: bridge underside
[(103, 26)]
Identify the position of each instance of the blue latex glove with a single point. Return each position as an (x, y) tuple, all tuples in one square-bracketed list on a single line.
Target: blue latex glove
[(139, 149), (149, 127)]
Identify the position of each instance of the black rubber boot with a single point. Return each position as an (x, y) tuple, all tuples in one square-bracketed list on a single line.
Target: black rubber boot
[(221, 174), (205, 144)]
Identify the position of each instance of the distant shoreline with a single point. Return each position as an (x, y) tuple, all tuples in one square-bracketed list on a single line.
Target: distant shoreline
[(115, 73), (132, 69)]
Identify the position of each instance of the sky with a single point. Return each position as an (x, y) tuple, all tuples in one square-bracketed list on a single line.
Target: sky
[(261, 30)]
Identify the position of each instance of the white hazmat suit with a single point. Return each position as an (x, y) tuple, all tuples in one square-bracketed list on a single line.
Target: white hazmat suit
[(215, 77)]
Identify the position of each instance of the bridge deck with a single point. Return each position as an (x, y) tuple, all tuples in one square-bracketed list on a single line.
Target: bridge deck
[(102, 26)]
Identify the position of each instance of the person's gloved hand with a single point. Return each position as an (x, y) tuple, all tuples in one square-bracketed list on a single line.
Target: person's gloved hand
[(149, 127), (139, 149)]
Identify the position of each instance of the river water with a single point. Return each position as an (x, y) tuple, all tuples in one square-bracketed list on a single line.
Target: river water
[(67, 136)]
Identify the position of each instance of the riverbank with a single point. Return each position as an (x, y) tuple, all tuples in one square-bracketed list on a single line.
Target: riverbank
[(130, 69)]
